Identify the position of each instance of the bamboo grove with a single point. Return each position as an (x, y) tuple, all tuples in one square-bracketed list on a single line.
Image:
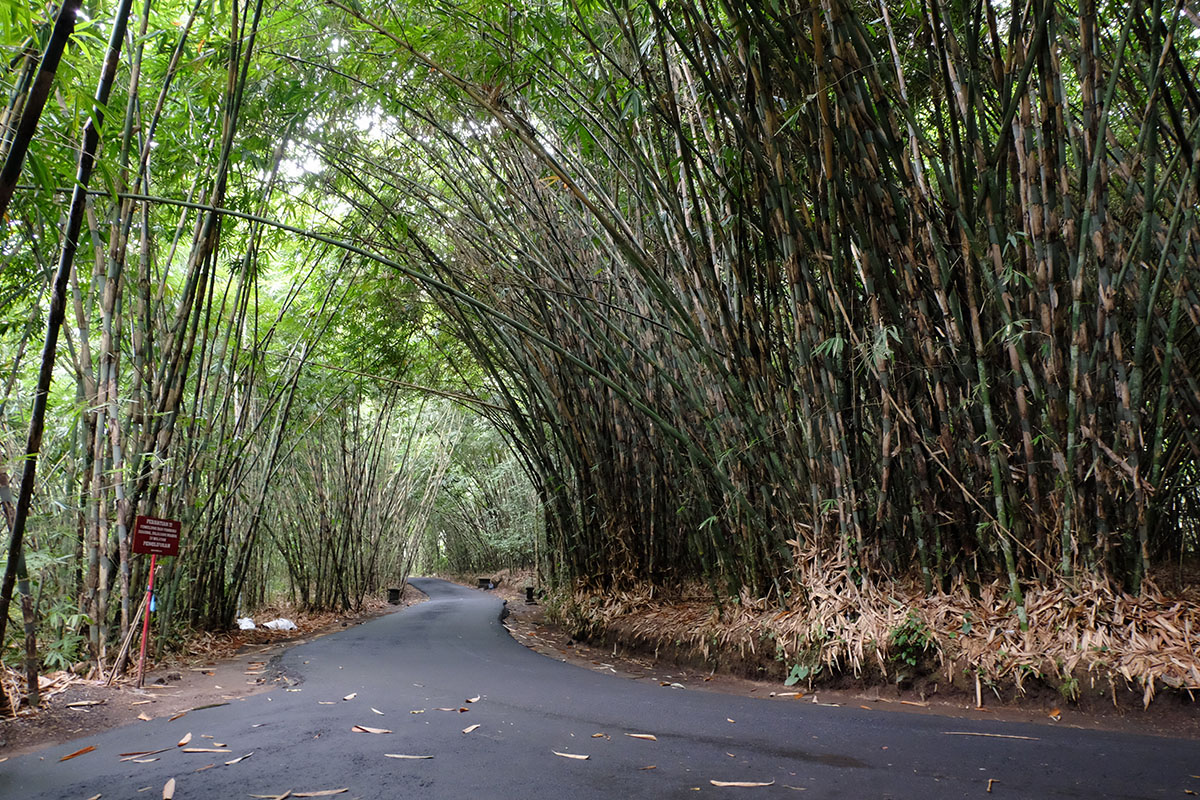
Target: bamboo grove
[(751, 292), (222, 374), (910, 288)]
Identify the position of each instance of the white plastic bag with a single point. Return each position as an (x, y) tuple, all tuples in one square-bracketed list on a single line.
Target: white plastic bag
[(280, 624), (245, 624)]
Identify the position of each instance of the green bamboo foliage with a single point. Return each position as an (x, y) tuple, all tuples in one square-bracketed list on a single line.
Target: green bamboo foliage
[(187, 358), (355, 499), (913, 288)]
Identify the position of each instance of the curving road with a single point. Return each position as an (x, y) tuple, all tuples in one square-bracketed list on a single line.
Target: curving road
[(442, 653)]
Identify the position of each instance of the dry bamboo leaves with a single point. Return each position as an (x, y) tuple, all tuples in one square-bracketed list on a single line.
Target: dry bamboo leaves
[(406, 757), (168, 792), (470, 729), (136, 754), (351, 696), (77, 753), (376, 711), (649, 737), (239, 759), (290, 793), (991, 735), (366, 729), (187, 737), (574, 756), (743, 784)]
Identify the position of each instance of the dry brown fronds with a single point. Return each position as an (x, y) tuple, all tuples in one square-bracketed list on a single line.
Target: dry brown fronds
[(1088, 633)]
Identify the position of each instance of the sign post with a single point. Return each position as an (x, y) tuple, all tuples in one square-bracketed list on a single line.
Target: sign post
[(158, 537)]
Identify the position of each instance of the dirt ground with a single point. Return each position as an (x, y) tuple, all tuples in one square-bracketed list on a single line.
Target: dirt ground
[(236, 665), (222, 668)]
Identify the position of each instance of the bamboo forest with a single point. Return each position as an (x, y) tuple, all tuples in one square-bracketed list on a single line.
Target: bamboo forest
[(852, 333)]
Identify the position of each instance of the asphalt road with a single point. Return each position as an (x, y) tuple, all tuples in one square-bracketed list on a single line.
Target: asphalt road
[(444, 653)]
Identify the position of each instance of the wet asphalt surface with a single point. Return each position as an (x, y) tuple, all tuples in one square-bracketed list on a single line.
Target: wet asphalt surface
[(448, 651)]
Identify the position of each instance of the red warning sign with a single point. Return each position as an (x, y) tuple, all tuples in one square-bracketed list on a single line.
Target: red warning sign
[(159, 537)]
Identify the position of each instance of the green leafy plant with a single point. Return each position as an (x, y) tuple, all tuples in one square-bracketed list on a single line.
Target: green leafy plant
[(801, 672), (910, 641), (62, 643)]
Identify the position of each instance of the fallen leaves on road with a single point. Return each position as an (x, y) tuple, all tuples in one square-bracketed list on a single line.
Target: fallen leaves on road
[(69, 756), (169, 789), (350, 696), (239, 759), (186, 738), (601, 736), (377, 711), (93, 797), (470, 728), (417, 711), (652, 766), (474, 699), (207, 750), (177, 716), (365, 729), (991, 735), (145, 760), (326, 703), (401, 755), (140, 753), (742, 784), (649, 737), (85, 703), (144, 717), (321, 793), (576, 756)]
